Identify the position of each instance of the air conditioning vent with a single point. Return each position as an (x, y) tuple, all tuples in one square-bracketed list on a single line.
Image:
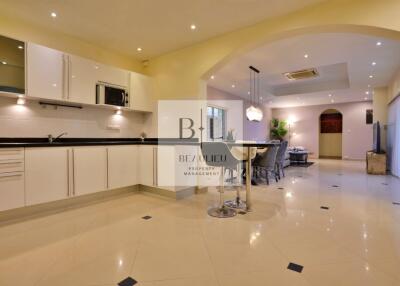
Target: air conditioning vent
[(301, 74)]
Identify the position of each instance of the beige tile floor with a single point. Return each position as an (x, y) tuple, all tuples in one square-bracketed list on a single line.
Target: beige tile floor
[(355, 242)]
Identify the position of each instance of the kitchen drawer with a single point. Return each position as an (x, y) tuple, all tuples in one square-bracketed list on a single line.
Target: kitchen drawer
[(11, 154), (12, 193), (10, 166)]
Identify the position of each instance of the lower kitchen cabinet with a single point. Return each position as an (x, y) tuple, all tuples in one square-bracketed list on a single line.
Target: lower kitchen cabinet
[(122, 166), (47, 174), (147, 165), (90, 170), (11, 190)]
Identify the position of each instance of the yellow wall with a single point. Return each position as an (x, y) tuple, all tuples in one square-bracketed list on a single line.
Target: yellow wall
[(177, 74), (380, 107), (25, 32), (330, 145)]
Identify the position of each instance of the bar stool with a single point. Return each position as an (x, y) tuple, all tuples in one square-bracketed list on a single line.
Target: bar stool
[(217, 154), (241, 154)]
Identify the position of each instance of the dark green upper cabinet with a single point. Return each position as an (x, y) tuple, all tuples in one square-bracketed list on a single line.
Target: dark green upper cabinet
[(12, 65)]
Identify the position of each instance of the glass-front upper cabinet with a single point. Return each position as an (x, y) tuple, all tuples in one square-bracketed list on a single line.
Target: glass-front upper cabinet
[(12, 65)]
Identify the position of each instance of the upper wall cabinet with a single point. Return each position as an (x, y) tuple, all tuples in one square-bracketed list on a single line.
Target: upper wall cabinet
[(46, 72), (141, 92), (82, 74), (12, 65), (113, 75)]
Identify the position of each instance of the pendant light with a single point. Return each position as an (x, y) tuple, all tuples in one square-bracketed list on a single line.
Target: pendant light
[(254, 113)]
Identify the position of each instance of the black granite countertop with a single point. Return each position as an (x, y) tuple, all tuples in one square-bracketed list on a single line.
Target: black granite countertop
[(43, 142)]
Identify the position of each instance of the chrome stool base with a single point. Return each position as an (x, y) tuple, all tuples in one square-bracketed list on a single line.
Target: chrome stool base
[(223, 212), (236, 204)]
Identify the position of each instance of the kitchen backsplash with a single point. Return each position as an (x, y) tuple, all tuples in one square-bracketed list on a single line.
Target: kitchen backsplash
[(32, 120)]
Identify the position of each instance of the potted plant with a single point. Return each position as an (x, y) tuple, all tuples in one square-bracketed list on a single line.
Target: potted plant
[(278, 129)]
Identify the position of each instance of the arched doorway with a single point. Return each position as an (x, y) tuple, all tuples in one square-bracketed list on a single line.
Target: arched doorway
[(330, 136)]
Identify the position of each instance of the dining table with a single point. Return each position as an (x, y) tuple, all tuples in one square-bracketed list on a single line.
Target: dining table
[(248, 147)]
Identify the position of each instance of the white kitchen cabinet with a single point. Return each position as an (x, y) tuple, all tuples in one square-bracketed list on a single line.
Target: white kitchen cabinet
[(46, 72), (47, 174), (90, 170), (141, 92), (147, 165), (113, 75), (122, 166), (82, 74), (12, 193), (165, 166), (11, 190)]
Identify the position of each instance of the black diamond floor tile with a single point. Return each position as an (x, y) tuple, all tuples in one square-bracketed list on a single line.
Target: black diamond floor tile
[(295, 267), (325, 208), (335, 186), (129, 281), (146, 217), (242, 213), (396, 203), (280, 188)]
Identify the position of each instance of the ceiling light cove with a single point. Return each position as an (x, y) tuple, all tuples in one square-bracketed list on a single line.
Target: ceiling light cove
[(193, 27), (53, 14)]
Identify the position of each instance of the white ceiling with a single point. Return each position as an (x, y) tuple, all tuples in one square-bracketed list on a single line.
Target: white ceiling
[(158, 26), (343, 60)]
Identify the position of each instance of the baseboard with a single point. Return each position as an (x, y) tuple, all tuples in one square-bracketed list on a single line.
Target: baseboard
[(29, 212)]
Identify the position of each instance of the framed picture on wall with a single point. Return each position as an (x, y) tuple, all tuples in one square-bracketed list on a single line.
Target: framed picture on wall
[(370, 116)]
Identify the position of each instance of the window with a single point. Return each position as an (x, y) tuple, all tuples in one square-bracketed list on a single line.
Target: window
[(216, 120)]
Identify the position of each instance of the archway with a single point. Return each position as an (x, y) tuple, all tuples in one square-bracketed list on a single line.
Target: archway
[(330, 134)]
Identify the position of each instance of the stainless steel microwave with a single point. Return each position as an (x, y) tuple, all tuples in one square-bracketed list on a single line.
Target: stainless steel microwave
[(111, 95)]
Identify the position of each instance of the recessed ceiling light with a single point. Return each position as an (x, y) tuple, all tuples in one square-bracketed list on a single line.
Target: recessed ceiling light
[(365, 98), (139, 49), (212, 77), (53, 14), (332, 100), (371, 76), (21, 47), (96, 67), (248, 92), (306, 56), (330, 95), (193, 27), (233, 86), (379, 43), (4, 63), (369, 85), (367, 92), (373, 63)]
